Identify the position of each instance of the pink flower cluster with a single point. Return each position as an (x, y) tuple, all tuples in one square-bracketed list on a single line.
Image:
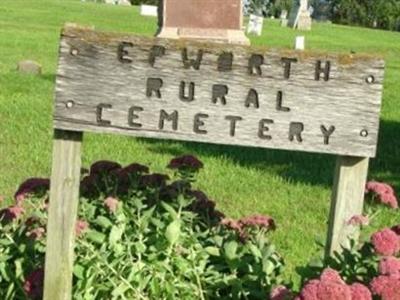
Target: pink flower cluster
[(383, 193), (134, 169), (358, 220), (203, 205), (386, 242), (33, 285), (80, 227), (281, 293), (31, 186), (111, 204), (186, 162), (245, 223), (330, 286), (36, 233), (387, 284), (104, 167), (124, 175), (93, 184), (11, 213), (258, 221), (153, 181), (389, 265)]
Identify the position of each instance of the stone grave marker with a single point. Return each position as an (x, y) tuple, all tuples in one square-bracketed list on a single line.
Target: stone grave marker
[(300, 17), (255, 25), (149, 10), (283, 18), (29, 67), (203, 19), (124, 2), (118, 2), (299, 43)]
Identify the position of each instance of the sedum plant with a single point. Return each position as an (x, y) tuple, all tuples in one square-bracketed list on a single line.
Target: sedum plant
[(141, 236)]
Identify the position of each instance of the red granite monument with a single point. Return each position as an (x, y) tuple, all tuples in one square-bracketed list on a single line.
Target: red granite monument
[(219, 20)]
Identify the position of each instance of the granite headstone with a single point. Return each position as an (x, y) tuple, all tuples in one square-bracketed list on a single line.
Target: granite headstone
[(300, 17), (202, 19)]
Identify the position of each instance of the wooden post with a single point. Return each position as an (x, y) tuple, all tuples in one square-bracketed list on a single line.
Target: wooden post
[(64, 195), (347, 201)]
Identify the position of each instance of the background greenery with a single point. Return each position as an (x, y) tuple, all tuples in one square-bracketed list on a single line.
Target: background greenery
[(383, 14), (292, 187), (370, 13)]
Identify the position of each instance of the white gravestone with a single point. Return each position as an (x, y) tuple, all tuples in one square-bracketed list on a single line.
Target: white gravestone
[(283, 18), (300, 43), (118, 2), (149, 10), (124, 2), (255, 25), (300, 17)]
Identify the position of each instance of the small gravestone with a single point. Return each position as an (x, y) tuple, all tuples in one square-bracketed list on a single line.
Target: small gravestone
[(283, 18), (311, 10), (149, 10), (29, 67), (255, 25), (118, 2), (300, 43), (202, 19), (300, 17), (123, 2)]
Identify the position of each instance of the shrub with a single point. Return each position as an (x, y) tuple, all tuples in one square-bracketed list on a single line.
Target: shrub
[(142, 235), (383, 14), (362, 271)]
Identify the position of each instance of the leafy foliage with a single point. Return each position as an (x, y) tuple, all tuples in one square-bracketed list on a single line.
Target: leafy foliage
[(143, 236), (370, 13), (360, 270), (355, 264)]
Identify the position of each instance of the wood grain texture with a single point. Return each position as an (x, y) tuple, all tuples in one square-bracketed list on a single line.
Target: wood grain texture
[(90, 74), (64, 195), (347, 201)]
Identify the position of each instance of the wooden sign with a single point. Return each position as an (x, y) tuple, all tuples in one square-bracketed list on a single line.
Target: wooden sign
[(114, 83), (218, 94)]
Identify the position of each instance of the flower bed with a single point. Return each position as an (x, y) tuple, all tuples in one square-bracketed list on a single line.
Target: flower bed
[(143, 235)]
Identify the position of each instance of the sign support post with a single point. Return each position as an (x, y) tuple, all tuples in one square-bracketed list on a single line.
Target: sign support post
[(63, 207), (347, 201)]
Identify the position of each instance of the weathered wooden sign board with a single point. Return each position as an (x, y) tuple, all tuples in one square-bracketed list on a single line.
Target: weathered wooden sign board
[(218, 94), (213, 93)]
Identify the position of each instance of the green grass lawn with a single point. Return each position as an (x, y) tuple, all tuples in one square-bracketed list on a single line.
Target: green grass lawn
[(292, 187)]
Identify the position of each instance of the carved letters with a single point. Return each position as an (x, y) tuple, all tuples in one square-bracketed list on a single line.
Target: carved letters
[(224, 94), (219, 93)]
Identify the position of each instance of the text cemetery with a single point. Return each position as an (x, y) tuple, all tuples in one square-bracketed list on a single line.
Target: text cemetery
[(186, 92), (219, 94)]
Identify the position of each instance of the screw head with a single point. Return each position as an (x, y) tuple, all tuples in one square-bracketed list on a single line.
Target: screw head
[(370, 79), (70, 104), (364, 133), (74, 52)]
